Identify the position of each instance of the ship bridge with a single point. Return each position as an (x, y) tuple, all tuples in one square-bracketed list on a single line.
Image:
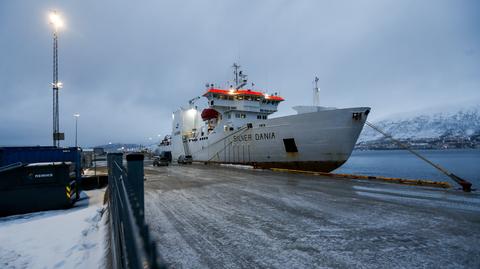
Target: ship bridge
[(242, 100), (228, 110), (238, 107)]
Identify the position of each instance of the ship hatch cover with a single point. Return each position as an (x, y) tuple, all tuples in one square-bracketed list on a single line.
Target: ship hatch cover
[(290, 145), (209, 113)]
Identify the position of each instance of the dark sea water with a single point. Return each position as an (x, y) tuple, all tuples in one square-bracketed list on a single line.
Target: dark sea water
[(465, 163)]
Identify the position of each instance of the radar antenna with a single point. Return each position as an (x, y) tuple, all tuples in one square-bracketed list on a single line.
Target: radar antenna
[(192, 101)]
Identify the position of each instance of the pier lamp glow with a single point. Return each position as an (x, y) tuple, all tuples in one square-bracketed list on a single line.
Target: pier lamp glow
[(191, 112), (58, 85), (55, 20)]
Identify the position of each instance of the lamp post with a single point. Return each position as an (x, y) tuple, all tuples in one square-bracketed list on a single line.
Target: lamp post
[(76, 127), (57, 23)]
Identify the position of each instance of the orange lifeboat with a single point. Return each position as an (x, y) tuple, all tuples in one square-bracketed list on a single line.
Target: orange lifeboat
[(209, 113)]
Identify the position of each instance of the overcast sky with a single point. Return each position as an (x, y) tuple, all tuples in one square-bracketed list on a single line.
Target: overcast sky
[(126, 66)]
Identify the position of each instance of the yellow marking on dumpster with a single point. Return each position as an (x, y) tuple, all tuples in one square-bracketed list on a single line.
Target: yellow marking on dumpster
[(67, 188), (415, 182)]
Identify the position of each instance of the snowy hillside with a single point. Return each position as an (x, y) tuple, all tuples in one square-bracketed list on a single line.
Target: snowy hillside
[(460, 121)]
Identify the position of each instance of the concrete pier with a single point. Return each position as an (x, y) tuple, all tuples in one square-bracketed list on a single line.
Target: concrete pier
[(224, 217)]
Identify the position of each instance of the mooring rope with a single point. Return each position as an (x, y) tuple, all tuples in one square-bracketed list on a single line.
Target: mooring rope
[(462, 182)]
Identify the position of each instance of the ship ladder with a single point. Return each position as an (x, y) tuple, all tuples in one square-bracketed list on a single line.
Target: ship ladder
[(186, 148), (239, 131), (466, 185)]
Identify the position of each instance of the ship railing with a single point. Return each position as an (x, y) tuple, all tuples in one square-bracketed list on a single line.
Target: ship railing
[(239, 131)]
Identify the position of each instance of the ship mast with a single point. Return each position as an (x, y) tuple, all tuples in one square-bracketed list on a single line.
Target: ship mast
[(316, 93), (236, 67), (240, 78)]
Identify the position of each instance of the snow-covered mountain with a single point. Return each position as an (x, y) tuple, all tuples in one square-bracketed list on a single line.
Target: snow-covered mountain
[(458, 121)]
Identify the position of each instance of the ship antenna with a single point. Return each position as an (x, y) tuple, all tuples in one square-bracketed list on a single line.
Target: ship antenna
[(316, 93), (240, 77), (235, 72)]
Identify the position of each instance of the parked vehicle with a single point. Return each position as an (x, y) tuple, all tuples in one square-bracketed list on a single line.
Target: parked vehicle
[(160, 161), (182, 159), (167, 155)]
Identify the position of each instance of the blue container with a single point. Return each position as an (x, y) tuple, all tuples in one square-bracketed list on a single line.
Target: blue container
[(41, 154)]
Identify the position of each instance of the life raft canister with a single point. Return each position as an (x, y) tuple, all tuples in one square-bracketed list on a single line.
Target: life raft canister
[(209, 113)]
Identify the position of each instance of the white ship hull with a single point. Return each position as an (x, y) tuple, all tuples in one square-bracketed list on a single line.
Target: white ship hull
[(316, 141)]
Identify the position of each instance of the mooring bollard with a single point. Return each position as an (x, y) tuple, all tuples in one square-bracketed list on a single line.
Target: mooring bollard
[(135, 176)]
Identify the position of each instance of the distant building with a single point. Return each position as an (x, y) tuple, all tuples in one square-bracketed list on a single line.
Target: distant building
[(87, 158), (99, 151)]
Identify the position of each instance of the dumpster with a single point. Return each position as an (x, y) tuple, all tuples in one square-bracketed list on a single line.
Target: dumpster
[(36, 186), (40, 154), (25, 155)]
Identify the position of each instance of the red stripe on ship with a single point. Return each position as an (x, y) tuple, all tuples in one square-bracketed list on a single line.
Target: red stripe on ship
[(244, 92)]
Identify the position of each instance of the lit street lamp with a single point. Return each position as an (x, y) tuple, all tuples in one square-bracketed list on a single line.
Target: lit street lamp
[(76, 127), (55, 20), (57, 23)]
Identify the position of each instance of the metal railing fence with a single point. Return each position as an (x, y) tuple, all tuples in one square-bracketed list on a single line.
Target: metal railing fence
[(130, 241)]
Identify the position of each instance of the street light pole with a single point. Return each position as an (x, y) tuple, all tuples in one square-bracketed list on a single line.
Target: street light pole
[(57, 23), (76, 127)]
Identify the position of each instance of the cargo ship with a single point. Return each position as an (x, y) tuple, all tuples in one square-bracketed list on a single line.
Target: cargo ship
[(236, 128)]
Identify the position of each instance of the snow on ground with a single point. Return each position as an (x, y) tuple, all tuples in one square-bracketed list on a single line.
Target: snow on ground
[(238, 166), (72, 238)]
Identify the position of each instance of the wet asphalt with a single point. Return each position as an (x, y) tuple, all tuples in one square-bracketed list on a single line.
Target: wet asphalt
[(210, 216)]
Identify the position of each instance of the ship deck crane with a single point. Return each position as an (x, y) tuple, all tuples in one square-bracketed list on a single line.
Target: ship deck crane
[(192, 101)]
